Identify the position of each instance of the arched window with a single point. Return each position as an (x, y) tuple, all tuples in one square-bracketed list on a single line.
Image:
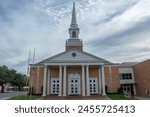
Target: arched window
[(74, 34)]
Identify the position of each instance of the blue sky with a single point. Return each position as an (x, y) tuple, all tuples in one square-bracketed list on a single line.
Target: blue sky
[(116, 30)]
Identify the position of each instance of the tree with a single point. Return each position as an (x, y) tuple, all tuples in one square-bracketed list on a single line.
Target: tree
[(19, 80), (4, 76), (11, 76)]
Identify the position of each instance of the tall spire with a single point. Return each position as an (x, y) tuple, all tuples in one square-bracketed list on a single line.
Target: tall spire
[(74, 19), (74, 42)]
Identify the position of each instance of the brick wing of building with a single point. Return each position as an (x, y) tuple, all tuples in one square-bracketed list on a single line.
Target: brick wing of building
[(76, 72)]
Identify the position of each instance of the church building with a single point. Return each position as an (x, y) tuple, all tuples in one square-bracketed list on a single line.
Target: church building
[(76, 72)]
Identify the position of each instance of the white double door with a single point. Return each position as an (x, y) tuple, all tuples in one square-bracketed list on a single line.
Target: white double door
[(74, 86), (93, 86), (55, 86)]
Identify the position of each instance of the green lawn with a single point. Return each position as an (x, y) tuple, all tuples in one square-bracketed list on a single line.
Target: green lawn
[(117, 97), (22, 97)]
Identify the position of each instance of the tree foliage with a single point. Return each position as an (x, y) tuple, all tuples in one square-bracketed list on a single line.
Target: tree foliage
[(11, 76)]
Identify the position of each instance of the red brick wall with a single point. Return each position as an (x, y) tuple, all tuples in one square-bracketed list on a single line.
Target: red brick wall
[(115, 79), (142, 77), (74, 47), (33, 79), (93, 72)]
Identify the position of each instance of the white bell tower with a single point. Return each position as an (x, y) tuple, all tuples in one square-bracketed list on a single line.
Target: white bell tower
[(74, 42)]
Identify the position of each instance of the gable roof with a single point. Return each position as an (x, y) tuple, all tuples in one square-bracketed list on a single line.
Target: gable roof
[(68, 57)]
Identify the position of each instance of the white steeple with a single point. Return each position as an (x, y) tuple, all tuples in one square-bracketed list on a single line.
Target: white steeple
[(74, 30), (74, 42), (74, 19)]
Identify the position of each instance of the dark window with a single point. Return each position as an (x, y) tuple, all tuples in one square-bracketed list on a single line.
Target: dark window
[(126, 76), (74, 54), (74, 34), (127, 88)]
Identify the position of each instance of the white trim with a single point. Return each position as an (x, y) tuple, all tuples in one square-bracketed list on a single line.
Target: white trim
[(60, 80), (87, 80), (83, 81), (44, 81), (103, 80), (66, 64), (99, 80), (64, 84)]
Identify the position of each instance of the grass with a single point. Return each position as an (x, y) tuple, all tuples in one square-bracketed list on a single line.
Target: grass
[(117, 97), (23, 97)]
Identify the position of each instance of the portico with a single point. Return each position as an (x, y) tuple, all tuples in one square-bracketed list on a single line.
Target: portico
[(72, 81)]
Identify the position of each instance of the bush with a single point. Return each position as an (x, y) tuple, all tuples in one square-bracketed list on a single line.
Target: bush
[(41, 89), (31, 91)]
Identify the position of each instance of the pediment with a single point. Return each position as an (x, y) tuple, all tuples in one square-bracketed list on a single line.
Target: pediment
[(74, 56)]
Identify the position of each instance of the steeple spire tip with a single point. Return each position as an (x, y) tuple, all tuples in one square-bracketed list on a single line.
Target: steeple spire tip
[(74, 19)]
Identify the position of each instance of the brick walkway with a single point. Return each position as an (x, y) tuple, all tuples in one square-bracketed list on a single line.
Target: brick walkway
[(75, 98)]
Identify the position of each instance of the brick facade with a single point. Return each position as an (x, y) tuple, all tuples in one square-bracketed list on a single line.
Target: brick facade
[(142, 78)]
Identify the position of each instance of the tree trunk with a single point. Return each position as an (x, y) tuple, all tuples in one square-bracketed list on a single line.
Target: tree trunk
[(2, 91)]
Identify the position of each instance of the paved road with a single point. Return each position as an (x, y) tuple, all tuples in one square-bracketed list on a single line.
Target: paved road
[(4, 96)]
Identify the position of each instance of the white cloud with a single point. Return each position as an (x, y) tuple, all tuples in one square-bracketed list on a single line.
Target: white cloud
[(115, 30)]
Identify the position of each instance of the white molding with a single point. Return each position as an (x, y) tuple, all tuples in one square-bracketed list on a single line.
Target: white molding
[(66, 64)]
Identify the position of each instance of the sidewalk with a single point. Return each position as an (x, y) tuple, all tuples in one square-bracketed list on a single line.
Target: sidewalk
[(75, 98), (7, 95), (142, 98)]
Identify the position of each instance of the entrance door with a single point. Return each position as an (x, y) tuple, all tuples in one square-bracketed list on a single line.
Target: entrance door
[(54, 85), (74, 86), (93, 86)]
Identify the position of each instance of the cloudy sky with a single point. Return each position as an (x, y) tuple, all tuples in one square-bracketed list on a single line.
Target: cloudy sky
[(116, 30)]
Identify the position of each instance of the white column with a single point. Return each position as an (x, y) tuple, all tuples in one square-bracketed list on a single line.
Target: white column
[(87, 80), (60, 80), (83, 81), (44, 81), (99, 80), (48, 87), (37, 80), (103, 80), (64, 84)]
